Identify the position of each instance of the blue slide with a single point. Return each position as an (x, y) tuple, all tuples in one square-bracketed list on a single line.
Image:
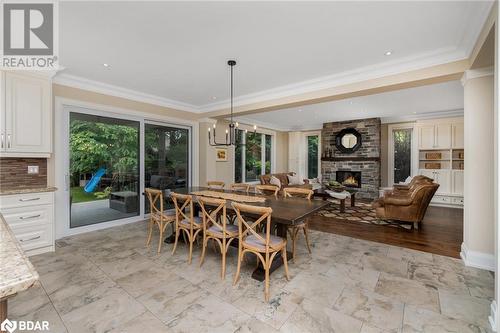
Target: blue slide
[(92, 184)]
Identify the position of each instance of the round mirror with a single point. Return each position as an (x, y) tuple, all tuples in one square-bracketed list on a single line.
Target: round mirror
[(348, 140)]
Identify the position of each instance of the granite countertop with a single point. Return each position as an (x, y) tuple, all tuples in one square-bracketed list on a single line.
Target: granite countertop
[(16, 271), (24, 190)]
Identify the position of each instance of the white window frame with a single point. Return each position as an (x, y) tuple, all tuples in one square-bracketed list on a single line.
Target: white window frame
[(63, 107), (390, 153), (263, 133), (306, 136)]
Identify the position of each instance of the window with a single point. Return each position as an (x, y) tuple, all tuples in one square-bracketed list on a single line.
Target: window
[(402, 154), (253, 157), (312, 156)]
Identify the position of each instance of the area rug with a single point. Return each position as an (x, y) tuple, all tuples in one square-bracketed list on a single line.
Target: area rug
[(362, 212)]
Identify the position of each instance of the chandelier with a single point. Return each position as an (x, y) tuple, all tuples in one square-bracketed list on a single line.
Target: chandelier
[(231, 135)]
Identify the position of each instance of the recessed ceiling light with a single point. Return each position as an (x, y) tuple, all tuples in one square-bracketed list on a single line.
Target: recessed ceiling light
[(414, 112), (300, 110), (388, 53), (106, 65), (350, 102), (214, 97)]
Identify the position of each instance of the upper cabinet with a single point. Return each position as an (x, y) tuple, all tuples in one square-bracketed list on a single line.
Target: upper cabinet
[(457, 135), (440, 135), (26, 115)]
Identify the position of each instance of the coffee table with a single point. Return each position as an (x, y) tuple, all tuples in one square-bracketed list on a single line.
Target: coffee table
[(321, 193)]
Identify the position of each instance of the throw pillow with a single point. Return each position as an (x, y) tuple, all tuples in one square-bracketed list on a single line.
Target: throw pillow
[(295, 180), (275, 181)]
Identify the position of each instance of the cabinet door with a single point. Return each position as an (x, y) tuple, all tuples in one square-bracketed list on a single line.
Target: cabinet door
[(28, 114), (443, 136), (442, 177), (426, 137), (458, 182), (457, 135)]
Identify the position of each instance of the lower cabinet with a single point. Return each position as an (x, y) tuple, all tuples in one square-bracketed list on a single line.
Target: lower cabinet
[(31, 218), (450, 191)]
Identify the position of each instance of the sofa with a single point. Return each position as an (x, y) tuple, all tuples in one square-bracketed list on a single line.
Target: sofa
[(407, 204), (283, 177)]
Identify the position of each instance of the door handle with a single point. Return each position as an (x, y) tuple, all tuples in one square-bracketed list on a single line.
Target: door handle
[(29, 239), (29, 217), (8, 141), (3, 139), (30, 199), (66, 182)]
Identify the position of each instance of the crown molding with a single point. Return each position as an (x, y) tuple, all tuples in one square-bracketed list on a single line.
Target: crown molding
[(435, 58), (423, 116), (116, 91), (440, 57), (476, 73)]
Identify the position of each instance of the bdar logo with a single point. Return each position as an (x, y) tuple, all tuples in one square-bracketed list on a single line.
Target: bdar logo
[(8, 326)]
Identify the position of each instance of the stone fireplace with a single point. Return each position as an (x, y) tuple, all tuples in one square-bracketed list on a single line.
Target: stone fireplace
[(360, 169)]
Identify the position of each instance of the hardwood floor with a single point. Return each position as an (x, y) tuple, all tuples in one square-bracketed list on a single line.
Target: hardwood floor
[(441, 231)]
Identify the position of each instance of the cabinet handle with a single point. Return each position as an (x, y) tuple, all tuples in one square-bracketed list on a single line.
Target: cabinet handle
[(8, 141), (30, 199), (3, 138), (29, 239), (29, 217)]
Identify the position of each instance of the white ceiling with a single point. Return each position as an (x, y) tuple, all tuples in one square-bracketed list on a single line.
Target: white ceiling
[(443, 99), (177, 51)]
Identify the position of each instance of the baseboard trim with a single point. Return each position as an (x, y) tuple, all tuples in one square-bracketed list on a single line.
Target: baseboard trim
[(493, 318), (477, 259)]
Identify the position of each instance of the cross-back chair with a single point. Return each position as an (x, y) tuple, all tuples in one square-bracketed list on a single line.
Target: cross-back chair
[(267, 189), (215, 185), (215, 227), (264, 245), (157, 216), (294, 230), (242, 187), (185, 221)]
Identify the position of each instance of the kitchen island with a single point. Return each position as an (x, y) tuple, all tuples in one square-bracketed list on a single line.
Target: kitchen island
[(16, 271)]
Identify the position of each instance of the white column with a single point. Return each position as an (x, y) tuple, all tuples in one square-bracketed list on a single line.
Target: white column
[(478, 248)]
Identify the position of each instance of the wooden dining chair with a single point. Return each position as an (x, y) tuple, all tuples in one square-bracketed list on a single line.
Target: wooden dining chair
[(215, 185), (241, 187), (185, 221), (267, 189), (264, 245), (294, 230), (157, 215), (215, 227)]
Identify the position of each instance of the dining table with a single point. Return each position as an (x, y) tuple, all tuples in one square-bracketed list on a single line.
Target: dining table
[(286, 212)]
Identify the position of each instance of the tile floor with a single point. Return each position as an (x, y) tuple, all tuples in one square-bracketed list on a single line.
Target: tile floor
[(108, 281)]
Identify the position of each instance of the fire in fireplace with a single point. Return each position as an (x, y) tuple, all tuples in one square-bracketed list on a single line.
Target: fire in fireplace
[(349, 178)]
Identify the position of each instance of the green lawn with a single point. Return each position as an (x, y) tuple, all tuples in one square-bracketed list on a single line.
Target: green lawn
[(79, 195)]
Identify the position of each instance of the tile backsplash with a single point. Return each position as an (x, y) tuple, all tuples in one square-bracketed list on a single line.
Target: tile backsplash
[(14, 173)]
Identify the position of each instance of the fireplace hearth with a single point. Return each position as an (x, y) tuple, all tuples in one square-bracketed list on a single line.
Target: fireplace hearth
[(349, 178)]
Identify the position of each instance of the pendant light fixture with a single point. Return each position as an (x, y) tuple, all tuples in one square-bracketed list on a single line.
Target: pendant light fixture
[(231, 137)]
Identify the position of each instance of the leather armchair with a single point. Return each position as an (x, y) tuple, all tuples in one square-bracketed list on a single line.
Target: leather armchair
[(409, 205)]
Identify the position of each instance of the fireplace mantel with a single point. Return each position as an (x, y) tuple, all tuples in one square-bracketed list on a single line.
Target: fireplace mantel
[(348, 158)]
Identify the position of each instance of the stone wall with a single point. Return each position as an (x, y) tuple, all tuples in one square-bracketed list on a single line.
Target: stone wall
[(366, 159)]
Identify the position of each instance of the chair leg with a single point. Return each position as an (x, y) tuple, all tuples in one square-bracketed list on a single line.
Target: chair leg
[(177, 231), (266, 290), (205, 241), (306, 235), (223, 274), (150, 233), (415, 225), (295, 232), (285, 262), (237, 275), (160, 241), (191, 241)]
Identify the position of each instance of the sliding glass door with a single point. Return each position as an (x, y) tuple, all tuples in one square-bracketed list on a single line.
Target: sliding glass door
[(166, 158), (104, 168)]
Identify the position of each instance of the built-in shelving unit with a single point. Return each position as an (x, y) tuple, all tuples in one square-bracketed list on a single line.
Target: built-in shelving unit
[(441, 157)]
